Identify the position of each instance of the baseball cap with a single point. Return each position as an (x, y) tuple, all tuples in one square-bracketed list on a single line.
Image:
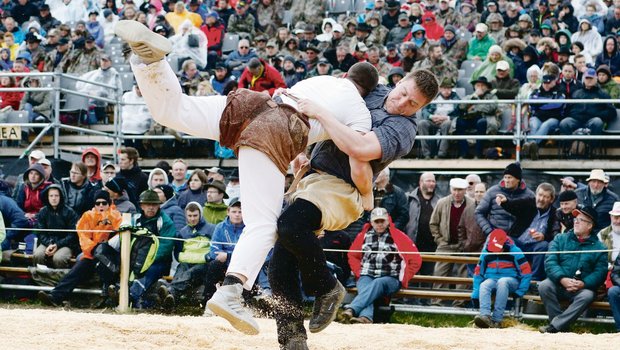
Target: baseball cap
[(379, 214), (589, 73), (323, 61), (63, 41), (214, 169), (481, 27), (547, 78), (587, 211), (502, 65), (272, 43), (45, 161), (37, 154), (497, 238)]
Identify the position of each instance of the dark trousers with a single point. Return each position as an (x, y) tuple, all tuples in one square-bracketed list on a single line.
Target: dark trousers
[(216, 271), (82, 271), (297, 252), (462, 126), (188, 277)]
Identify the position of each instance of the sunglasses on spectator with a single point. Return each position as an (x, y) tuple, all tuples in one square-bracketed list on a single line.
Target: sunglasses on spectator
[(244, 47), (98, 203)]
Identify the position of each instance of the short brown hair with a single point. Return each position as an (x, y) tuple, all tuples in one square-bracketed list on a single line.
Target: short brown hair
[(131, 153), (425, 81), (81, 167), (192, 206), (365, 76)]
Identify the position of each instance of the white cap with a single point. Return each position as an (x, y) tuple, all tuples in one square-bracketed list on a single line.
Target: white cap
[(37, 154), (45, 161), (379, 214), (615, 211), (458, 183), (213, 169), (338, 28), (502, 65), (481, 27)]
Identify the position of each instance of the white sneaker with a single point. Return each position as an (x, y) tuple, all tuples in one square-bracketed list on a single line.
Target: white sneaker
[(148, 45), (207, 313), (226, 303)]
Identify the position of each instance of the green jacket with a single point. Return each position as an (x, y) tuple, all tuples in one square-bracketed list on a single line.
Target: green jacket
[(164, 229), (593, 266), (479, 48), (215, 213), (612, 88)]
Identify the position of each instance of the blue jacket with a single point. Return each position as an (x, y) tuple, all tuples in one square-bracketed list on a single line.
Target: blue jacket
[(603, 205), (593, 266), (13, 217), (172, 209), (490, 216), (228, 233), (494, 266)]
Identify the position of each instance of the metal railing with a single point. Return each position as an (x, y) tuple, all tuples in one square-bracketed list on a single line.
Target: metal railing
[(517, 136)]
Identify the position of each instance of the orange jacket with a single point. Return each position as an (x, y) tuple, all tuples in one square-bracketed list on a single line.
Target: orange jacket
[(93, 220)]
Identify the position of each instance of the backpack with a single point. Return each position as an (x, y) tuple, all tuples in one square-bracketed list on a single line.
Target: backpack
[(579, 148), (223, 152)]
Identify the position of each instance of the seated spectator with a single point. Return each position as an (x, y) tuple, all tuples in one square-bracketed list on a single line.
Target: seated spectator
[(137, 181), (13, 217), (396, 74), (589, 37), (488, 68), (480, 44), (489, 214), (455, 49), (95, 28), (260, 76), (379, 275), (438, 117), (606, 82), (56, 60), (10, 99), (180, 15), (55, 247), (38, 104), (5, 59), (157, 177), (610, 235), (214, 30), (564, 214), (29, 194), (105, 74), (116, 187), (170, 205), (242, 22), (613, 293), (444, 228), (610, 56), (221, 77), (588, 116), (96, 226), (192, 255), (215, 210), (92, 159), (506, 88), (77, 189), (238, 60), (544, 118), (110, 19), (179, 176), (504, 274), (226, 233), (108, 171), (435, 63), (135, 117), (572, 277), (480, 117), (598, 196), (10, 44), (190, 77), (291, 48), (533, 227), (190, 43), (398, 33), (84, 58), (568, 84), (195, 189)]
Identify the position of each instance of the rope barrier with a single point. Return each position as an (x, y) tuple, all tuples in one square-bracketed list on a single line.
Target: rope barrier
[(473, 254)]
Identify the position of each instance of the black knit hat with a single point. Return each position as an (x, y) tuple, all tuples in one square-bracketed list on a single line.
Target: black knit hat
[(101, 194), (167, 189), (567, 196), (514, 169), (116, 185)]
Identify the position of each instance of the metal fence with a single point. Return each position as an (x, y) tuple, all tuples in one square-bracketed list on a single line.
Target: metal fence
[(60, 87)]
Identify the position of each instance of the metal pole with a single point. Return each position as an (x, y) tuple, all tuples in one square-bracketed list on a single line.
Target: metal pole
[(117, 122), (518, 131), (57, 77)]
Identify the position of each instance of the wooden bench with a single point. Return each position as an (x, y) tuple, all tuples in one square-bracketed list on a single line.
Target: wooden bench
[(599, 305)]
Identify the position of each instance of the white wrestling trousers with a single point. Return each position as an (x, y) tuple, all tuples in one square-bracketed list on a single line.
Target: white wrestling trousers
[(262, 184)]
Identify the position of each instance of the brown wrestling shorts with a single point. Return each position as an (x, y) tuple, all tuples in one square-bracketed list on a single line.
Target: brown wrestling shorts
[(253, 120)]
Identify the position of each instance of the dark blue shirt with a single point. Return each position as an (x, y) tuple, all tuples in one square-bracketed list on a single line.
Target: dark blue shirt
[(396, 135)]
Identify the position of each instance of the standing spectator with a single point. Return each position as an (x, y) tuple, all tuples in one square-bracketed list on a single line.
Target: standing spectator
[(215, 210), (422, 201), (469, 231), (533, 227), (392, 198), (599, 197), (195, 189), (59, 246), (572, 277), (444, 228), (438, 117), (78, 191), (260, 76), (564, 214), (489, 214), (192, 255), (504, 274), (379, 275), (391, 16), (94, 227), (472, 181), (480, 44), (130, 170), (481, 117)]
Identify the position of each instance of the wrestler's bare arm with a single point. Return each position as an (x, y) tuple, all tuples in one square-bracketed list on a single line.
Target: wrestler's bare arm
[(361, 174), (363, 147)]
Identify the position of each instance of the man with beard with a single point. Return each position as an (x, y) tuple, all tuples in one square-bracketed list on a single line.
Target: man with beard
[(409, 52), (598, 196), (610, 235), (436, 64)]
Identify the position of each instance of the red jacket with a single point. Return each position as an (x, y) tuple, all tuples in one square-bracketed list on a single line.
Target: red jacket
[(214, 35), (270, 80), (407, 250)]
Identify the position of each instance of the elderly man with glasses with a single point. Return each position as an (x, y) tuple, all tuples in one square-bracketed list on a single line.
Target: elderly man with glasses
[(573, 273)]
